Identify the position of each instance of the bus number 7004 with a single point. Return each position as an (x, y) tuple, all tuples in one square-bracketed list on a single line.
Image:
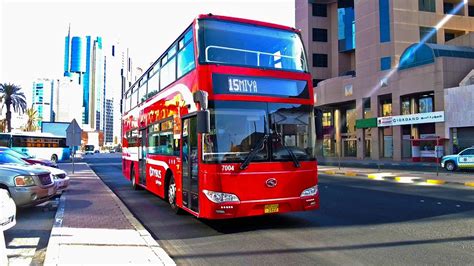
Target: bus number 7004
[(227, 168)]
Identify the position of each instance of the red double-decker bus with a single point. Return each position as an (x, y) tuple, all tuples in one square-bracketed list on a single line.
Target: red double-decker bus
[(222, 124)]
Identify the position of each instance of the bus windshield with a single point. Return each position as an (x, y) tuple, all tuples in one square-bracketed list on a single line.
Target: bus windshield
[(238, 127), (233, 43)]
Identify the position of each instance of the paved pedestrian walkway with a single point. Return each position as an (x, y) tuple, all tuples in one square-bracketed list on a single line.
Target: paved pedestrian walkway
[(368, 163), (403, 176), (92, 226)]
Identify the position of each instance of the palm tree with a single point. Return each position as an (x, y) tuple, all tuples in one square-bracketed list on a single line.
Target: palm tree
[(32, 123), (12, 96)]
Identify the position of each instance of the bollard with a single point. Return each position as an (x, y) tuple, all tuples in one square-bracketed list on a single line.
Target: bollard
[(3, 249)]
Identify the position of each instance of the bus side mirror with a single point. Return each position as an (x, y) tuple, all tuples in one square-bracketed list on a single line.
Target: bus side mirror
[(201, 98), (203, 121)]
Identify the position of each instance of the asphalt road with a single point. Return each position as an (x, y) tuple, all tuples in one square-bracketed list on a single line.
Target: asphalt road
[(27, 241), (360, 222)]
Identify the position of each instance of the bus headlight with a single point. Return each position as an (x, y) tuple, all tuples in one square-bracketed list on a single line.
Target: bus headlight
[(24, 181), (310, 191), (220, 197)]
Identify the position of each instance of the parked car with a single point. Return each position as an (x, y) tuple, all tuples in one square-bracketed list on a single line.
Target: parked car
[(89, 149), (7, 211), (462, 160), (27, 186), (28, 158), (60, 177)]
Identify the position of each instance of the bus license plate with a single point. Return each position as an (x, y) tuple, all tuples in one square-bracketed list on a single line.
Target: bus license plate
[(271, 208), (50, 191)]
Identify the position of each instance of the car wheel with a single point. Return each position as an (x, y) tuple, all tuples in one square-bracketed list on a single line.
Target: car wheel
[(54, 158), (172, 196), (450, 166)]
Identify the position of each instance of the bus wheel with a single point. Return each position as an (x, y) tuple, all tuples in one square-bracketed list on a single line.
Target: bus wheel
[(54, 158), (172, 195), (134, 181)]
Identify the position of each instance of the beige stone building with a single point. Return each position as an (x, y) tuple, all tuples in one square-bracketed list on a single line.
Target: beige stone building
[(381, 67)]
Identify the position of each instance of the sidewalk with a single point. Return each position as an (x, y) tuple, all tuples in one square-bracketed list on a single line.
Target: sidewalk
[(368, 163), (92, 226), (402, 176)]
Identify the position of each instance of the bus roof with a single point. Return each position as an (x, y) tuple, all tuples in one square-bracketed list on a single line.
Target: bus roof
[(248, 21), (208, 16), (32, 134)]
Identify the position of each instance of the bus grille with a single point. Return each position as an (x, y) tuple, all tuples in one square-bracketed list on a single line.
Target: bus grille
[(45, 179)]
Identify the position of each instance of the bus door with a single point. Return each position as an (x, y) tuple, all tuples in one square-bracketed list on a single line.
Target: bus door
[(142, 152), (189, 153)]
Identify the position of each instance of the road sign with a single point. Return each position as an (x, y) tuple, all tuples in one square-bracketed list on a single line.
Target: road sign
[(73, 138), (73, 134)]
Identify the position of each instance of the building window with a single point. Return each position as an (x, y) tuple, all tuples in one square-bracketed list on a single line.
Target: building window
[(320, 60), (427, 5), (406, 106), (113, 50), (384, 20), (367, 110), (320, 10), (470, 11), (386, 105), (320, 35), (385, 63), (425, 105), (449, 36), (428, 35), (448, 7), (316, 82), (346, 29), (327, 119)]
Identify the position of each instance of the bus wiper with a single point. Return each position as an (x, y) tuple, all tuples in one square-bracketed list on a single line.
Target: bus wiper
[(258, 147), (292, 155)]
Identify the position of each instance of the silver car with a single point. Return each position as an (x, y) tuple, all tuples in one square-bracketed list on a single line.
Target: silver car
[(27, 186)]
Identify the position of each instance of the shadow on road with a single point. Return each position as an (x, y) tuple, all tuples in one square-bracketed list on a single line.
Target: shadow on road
[(325, 249)]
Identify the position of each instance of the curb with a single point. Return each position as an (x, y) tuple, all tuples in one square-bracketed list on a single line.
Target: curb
[(52, 250), (399, 179)]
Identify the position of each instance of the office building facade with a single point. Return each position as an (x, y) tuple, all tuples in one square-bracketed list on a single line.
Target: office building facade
[(43, 90), (380, 70)]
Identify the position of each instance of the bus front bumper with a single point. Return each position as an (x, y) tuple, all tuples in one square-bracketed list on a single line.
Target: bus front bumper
[(258, 207)]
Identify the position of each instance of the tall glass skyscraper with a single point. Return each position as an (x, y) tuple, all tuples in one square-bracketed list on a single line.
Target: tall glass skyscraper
[(83, 57)]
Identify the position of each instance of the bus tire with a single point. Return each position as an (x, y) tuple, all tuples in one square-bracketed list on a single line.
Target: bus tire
[(54, 158), (135, 186), (171, 193)]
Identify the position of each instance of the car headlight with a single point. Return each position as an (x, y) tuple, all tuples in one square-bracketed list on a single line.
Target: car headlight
[(24, 181), (220, 197), (309, 191)]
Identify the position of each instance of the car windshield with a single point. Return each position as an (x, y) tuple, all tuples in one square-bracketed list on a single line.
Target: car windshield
[(8, 158), (237, 127), (232, 43), (17, 154)]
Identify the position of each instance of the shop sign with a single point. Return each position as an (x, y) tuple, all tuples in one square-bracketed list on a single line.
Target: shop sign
[(366, 123), (421, 118)]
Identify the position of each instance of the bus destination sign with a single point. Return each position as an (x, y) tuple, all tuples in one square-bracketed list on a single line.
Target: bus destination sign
[(248, 85)]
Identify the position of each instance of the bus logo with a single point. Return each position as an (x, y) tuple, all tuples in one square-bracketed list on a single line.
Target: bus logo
[(271, 182)]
